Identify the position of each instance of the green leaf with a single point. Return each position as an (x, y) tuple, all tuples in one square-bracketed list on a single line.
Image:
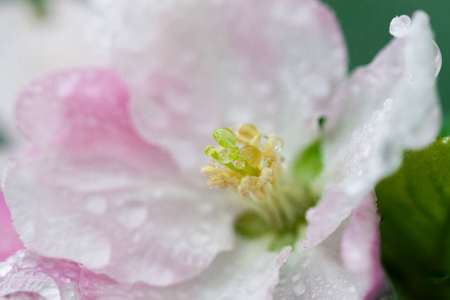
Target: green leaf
[(414, 205), (309, 163), (251, 225)]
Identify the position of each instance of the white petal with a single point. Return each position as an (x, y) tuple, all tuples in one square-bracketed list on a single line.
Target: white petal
[(319, 274), (387, 107), (248, 273), (361, 246), (131, 227), (194, 66)]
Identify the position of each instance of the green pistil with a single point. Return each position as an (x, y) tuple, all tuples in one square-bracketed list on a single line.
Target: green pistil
[(231, 156)]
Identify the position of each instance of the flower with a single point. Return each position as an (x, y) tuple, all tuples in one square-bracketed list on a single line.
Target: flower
[(112, 177)]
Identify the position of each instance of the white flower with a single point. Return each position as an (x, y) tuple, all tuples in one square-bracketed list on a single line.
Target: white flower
[(113, 178)]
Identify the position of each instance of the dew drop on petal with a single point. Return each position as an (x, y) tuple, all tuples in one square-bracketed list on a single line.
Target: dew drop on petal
[(399, 26), (300, 289), (132, 215), (65, 279), (199, 239), (95, 205), (295, 277), (205, 208), (5, 268), (437, 59), (27, 262)]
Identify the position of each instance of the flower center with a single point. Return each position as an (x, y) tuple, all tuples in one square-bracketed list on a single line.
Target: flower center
[(250, 170), (250, 165)]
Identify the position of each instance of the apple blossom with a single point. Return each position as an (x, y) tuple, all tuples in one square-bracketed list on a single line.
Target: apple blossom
[(112, 178)]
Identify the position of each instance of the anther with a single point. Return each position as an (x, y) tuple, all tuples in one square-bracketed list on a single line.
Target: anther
[(250, 169)]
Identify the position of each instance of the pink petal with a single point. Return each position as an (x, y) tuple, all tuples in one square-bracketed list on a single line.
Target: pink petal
[(232, 276), (209, 64), (361, 246), (325, 217), (320, 274), (129, 227), (9, 240), (387, 107), (93, 192), (36, 47), (84, 113)]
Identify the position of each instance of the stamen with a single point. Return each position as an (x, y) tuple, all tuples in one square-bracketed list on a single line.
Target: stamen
[(251, 170), (249, 164)]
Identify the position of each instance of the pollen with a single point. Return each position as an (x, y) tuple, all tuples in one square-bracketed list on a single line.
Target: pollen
[(245, 162)]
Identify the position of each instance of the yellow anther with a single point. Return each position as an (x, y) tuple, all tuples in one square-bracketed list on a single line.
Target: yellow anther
[(250, 170), (252, 154), (245, 133)]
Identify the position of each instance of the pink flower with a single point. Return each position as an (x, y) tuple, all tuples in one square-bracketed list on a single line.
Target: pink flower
[(111, 180)]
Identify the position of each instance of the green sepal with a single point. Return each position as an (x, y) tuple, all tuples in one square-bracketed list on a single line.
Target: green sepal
[(309, 164), (251, 225), (414, 204)]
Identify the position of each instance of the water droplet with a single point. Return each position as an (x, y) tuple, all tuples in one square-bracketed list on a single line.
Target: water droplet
[(437, 59), (132, 215), (268, 163), (352, 289), (48, 264), (223, 156), (5, 268), (300, 289), (96, 205), (27, 262), (295, 277), (239, 164), (399, 26), (65, 279), (388, 104), (262, 142), (278, 144), (205, 207), (199, 239), (318, 278)]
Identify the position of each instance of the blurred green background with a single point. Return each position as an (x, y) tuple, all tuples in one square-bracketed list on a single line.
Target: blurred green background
[(366, 28)]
